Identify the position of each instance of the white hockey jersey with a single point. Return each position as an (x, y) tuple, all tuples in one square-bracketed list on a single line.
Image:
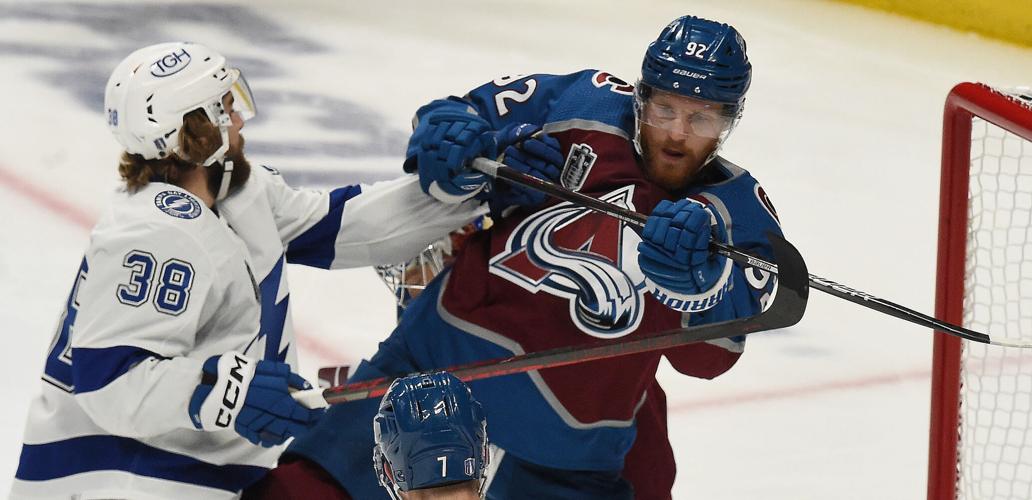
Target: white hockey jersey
[(167, 283)]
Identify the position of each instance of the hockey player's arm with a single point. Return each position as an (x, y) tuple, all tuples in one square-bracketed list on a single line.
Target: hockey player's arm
[(492, 121), (680, 271), (140, 308), (360, 225), (507, 100), (501, 103), (749, 290)]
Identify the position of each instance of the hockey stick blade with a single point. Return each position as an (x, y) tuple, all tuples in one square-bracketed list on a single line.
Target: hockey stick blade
[(501, 171), (787, 309)]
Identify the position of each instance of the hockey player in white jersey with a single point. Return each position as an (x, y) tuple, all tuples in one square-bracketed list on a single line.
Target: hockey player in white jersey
[(170, 372)]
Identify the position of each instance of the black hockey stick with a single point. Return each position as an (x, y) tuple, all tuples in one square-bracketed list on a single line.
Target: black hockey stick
[(501, 171), (786, 310)]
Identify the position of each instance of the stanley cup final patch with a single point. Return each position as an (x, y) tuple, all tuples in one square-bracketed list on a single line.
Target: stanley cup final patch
[(578, 165)]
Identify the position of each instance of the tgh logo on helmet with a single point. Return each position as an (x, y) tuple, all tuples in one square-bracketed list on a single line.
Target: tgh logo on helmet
[(171, 63)]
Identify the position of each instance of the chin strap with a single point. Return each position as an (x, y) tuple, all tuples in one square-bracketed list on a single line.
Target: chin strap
[(227, 176), (223, 122)]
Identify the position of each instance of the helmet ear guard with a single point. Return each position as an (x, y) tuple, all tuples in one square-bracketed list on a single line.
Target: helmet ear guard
[(384, 476)]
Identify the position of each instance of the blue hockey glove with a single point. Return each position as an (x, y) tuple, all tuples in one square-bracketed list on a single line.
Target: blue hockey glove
[(674, 252), (251, 397), (530, 152), (445, 142)]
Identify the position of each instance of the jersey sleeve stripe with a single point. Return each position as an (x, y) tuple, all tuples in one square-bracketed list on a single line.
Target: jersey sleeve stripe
[(315, 247), (94, 369), (582, 124), (41, 462)]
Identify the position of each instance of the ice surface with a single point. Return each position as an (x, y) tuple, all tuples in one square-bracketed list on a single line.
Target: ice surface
[(842, 127)]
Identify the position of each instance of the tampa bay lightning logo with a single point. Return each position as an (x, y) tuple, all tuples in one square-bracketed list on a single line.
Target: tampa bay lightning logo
[(178, 204), (571, 252)]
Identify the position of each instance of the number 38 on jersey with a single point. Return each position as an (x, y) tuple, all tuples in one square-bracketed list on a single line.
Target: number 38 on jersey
[(169, 295)]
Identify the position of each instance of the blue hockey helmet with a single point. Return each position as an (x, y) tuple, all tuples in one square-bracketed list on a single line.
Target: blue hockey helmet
[(696, 60), (699, 58), (429, 432)]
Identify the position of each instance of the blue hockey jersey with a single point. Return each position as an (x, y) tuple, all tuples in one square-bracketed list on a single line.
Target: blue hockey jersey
[(561, 275)]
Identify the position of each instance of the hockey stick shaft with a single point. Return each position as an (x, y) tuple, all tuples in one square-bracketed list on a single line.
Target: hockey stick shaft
[(534, 361), (501, 171), (786, 310)]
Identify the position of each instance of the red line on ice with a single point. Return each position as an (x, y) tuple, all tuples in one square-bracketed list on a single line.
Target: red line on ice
[(798, 391), (46, 199)]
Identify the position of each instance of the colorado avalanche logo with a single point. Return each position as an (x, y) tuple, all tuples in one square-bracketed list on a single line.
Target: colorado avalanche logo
[(765, 201), (602, 79), (178, 204), (571, 252)]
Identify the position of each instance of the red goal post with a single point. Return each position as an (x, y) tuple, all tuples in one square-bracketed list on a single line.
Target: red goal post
[(981, 420)]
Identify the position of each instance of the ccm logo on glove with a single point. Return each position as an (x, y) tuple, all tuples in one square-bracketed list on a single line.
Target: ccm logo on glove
[(232, 395), (252, 398)]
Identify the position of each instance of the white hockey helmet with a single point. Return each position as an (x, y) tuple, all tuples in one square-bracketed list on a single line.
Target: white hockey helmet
[(153, 88)]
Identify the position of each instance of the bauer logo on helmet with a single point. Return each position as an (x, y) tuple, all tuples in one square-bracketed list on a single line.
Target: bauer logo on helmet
[(170, 63), (689, 74)]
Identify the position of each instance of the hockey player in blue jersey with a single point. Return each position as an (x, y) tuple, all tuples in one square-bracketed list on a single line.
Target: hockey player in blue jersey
[(171, 370), (555, 275), (431, 440)]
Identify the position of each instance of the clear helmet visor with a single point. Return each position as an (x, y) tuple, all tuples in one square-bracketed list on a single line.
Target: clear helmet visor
[(243, 100), (684, 115)]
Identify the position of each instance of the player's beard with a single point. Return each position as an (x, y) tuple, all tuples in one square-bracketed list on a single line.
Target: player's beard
[(241, 170), (672, 173)]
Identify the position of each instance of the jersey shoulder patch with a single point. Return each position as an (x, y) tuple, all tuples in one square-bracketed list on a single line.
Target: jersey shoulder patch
[(602, 79), (177, 204)]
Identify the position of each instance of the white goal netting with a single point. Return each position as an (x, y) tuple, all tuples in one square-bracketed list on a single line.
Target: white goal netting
[(995, 447)]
